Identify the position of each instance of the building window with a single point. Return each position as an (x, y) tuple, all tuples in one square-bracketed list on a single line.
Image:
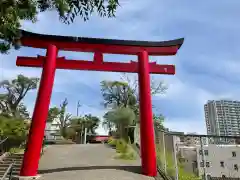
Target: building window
[(234, 154), (235, 167), (200, 152), (207, 164), (222, 164), (206, 152), (202, 164)]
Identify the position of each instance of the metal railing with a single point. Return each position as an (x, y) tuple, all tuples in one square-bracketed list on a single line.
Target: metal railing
[(192, 156), (5, 145), (9, 172), (162, 174)]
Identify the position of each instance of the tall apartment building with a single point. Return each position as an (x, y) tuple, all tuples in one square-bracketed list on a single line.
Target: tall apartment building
[(222, 117)]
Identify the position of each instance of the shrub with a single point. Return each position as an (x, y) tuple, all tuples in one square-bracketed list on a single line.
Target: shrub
[(121, 146), (182, 175), (126, 156), (15, 150), (124, 150), (15, 129), (70, 133), (112, 142)]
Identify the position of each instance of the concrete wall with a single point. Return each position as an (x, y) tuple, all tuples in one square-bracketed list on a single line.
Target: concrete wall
[(216, 154)]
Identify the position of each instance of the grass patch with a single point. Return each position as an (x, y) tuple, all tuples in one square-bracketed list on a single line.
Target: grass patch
[(112, 142), (123, 149), (182, 174), (126, 156), (16, 150)]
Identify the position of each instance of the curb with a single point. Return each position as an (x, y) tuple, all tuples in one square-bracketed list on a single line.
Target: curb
[(25, 177)]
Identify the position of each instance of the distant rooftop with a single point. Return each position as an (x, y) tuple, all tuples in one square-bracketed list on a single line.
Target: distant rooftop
[(223, 100)]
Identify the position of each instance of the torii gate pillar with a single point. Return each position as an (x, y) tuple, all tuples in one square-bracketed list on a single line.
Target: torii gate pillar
[(148, 152), (40, 114)]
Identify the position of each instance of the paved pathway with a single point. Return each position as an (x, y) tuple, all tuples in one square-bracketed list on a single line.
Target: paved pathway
[(87, 162)]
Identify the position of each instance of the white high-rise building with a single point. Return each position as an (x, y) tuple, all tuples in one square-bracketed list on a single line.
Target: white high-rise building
[(222, 117)]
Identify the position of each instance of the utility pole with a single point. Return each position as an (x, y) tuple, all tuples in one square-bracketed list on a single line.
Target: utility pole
[(175, 157), (78, 106), (203, 159), (85, 136), (164, 151)]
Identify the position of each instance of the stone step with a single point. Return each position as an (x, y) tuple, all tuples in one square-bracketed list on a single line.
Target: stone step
[(14, 157), (17, 155), (15, 173), (7, 165), (17, 158), (11, 160)]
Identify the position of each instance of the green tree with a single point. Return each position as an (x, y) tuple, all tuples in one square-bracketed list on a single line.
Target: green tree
[(15, 91), (77, 126), (158, 122), (92, 123), (80, 123), (15, 129), (120, 118), (53, 113), (60, 116), (124, 94), (157, 87), (117, 94), (107, 122), (64, 118), (22, 111), (12, 12)]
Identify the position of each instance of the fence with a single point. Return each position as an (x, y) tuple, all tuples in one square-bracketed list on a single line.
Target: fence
[(4, 145), (194, 157)]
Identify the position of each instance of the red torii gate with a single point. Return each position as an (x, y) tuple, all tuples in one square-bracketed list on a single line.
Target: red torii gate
[(51, 62)]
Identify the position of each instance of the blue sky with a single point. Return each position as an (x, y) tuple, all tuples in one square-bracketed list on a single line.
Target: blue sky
[(207, 64)]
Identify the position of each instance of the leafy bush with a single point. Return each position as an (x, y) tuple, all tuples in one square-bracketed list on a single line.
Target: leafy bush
[(182, 174), (15, 129), (121, 146), (70, 133), (16, 150), (124, 150), (112, 142), (126, 156)]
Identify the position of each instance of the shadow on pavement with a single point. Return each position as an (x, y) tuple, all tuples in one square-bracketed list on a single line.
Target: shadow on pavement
[(133, 169)]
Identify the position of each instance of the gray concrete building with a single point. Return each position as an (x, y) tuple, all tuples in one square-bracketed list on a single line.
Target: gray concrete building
[(222, 117), (214, 160)]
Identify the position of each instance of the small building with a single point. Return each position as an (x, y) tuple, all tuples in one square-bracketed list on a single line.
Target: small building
[(52, 131)]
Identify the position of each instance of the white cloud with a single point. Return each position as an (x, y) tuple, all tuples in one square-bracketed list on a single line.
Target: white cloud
[(147, 20)]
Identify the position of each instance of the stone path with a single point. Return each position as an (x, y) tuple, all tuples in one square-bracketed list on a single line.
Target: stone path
[(87, 162)]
